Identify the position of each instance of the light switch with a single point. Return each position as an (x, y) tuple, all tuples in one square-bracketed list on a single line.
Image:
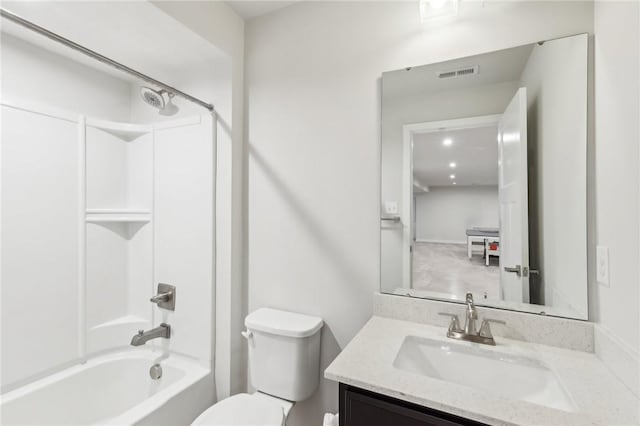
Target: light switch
[(391, 207), (602, 265)]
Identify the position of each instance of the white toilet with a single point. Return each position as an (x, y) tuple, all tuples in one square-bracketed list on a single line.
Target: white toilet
[(284, 367)]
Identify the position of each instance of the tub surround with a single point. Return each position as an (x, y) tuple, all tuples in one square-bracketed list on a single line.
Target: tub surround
[(552, 331), (367, 363)]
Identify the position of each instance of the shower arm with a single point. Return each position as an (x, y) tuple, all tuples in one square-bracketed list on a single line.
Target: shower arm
[(101, 58)]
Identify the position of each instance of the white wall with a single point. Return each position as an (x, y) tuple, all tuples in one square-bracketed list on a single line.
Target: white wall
[(444, 214), (617, 139), (556, 77), (313, 74), (432, 106), (33, 73)]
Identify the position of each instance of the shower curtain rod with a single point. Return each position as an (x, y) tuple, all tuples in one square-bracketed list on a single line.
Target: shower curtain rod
[(95, 55)]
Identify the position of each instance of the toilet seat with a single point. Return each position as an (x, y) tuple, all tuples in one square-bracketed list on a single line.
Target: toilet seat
[(242, 410)]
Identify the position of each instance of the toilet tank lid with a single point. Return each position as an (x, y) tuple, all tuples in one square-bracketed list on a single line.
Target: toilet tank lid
[(283, 323)]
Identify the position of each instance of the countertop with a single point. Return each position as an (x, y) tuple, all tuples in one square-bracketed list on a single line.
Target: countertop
[(367, 363)]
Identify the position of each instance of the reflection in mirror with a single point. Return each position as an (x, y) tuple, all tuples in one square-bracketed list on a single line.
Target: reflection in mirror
[(484, 179)]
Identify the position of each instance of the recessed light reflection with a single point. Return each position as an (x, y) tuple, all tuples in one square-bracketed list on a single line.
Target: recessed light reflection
[(447, 142), (437, 4), (452, 176), (452, 165), (454, 183)]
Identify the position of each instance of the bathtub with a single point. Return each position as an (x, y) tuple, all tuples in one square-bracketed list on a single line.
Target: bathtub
[(114, 389)]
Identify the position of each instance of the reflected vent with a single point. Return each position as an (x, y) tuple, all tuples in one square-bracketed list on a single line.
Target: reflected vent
[(461, 72)]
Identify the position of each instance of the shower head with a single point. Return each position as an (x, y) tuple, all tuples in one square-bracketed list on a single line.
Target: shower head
[(152, 97), (156, 99)]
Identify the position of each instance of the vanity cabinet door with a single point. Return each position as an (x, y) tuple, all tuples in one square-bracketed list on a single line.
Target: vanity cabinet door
[(363, 408)]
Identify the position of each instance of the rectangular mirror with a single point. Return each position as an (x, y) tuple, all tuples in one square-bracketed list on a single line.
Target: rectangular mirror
[(484, 179)]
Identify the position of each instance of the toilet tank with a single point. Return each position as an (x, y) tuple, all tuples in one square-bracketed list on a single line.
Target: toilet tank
[(284, 353)]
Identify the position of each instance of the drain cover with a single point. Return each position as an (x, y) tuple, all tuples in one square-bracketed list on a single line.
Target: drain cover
[(155, 371)]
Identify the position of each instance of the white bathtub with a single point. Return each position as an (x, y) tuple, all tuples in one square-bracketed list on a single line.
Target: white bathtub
[(114, 389)]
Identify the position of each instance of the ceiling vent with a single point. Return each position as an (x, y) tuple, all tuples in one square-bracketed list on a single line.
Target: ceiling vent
[(460, 72)]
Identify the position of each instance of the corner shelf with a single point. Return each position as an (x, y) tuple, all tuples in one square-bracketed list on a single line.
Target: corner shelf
[(125, 131), (117, 216)]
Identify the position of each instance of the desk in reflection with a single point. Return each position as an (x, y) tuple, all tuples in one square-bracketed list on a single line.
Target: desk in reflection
[(489, 238)]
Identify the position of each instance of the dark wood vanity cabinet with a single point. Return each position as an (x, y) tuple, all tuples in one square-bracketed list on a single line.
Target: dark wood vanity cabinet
[(359, 407)]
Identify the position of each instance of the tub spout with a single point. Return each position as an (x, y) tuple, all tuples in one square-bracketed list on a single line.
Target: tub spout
[(144, 336)]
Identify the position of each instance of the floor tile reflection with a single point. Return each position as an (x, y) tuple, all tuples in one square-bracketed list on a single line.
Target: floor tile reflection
[(446, 269)]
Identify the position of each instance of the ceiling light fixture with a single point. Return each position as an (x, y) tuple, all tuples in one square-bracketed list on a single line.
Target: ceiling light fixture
[(436, 9), (437, 4), (452, 176), (452, 165), (447, 142)]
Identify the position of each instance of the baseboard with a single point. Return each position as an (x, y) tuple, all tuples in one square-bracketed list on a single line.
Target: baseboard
[(621, 359), (420, 240)]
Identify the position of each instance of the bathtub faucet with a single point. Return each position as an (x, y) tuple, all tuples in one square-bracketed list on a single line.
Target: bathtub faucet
[(144, 336)]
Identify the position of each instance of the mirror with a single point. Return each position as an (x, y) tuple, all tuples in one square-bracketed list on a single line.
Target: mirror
[(484, 177)]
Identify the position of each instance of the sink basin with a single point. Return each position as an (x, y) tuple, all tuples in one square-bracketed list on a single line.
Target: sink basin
[(504, 375)]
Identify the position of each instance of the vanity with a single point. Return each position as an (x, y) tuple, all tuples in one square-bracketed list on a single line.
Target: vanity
[(483, 310), (364, 408), (402, 369)]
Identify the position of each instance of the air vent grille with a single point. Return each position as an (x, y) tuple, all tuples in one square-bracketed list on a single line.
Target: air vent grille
[(461, 72), (447, 74)]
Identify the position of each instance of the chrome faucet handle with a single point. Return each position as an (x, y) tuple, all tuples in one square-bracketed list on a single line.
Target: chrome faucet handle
[(485, 327), (166, 297), (472, 315), (161, 297), (454, 324)]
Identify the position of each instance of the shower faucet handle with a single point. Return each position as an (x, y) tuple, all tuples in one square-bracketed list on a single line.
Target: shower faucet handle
[(166, 297)]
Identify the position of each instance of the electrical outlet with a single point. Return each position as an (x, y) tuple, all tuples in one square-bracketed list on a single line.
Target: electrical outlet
[(602, 265), (391, 207)]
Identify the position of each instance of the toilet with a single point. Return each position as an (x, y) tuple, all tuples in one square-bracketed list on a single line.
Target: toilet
[(284, 367)]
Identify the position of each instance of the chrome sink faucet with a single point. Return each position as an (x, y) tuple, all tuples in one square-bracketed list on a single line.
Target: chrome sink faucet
[(472, 316), (164, 330), (469, 332)]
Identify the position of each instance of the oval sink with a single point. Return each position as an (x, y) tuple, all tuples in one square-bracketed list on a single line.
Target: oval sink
[(508, 376)]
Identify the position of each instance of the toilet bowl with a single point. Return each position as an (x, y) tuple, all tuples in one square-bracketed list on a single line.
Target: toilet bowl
[(245, 409), (284, 367)]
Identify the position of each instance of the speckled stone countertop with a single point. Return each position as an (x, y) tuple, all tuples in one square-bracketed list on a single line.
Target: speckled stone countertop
[(367, 363)]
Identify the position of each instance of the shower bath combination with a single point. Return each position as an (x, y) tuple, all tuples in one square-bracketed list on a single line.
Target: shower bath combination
[(132, 185), (156, 99)]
